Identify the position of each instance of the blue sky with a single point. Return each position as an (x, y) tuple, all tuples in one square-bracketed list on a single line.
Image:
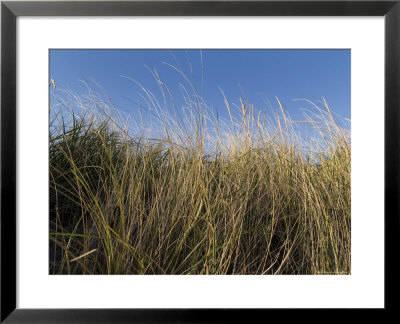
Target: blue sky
[(257, 75)]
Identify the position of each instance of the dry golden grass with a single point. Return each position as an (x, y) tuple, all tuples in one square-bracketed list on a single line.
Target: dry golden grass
[(198, 195)]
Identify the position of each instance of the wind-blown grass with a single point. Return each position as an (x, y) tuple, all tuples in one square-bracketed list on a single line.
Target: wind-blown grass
[(196, 194)]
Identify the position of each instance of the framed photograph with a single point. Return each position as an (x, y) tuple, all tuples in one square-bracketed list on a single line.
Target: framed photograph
[(197, 161)]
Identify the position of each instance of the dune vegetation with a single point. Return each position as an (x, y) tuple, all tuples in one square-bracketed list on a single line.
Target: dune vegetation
[(196, 194)]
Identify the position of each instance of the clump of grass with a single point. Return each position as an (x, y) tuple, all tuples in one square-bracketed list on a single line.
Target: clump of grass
[(196, 194)]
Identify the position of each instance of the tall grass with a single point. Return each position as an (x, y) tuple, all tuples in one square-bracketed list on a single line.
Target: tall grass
[(196, 194)]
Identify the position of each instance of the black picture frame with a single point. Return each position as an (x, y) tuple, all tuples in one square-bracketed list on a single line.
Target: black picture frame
[(10, 10)]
